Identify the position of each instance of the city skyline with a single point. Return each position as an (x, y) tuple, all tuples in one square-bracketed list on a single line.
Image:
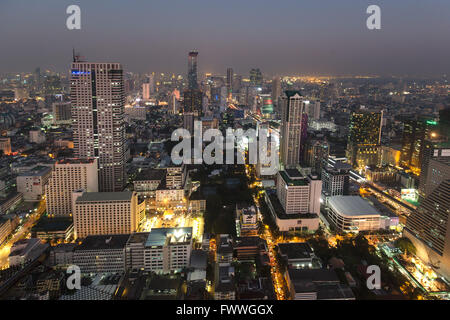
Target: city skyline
[(280, 39)]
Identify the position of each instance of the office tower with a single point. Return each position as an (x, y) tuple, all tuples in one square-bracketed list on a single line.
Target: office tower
[(303, 135), (192, 101), (292, 121), (146, 91), (230, 75), (429, 229), (100, 213), (192, 70), (151, 82), (172, 103), (364, 138), (336, 179), (444, 122), (313, 109), (62, 113), (298, 194), (192, 108), (437, 172), (432, 149), (256, 78), (97, 94), (276, 90), (316, 151), (415, 132), (188, 121), (67, 176)]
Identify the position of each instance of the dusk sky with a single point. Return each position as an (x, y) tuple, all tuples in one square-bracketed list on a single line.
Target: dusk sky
[(282, 37)]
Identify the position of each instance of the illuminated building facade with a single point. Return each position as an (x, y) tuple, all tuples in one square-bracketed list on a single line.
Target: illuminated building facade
[(292, 122), (415, 132), (363, 146), (98, 99), (429, 229), (101, 213), (192, 70), (67, 176)]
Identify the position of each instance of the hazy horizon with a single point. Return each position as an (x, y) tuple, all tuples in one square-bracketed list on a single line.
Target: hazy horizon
[(281, 38)]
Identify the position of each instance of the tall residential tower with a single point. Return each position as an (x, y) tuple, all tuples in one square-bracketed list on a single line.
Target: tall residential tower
[(98, 99)]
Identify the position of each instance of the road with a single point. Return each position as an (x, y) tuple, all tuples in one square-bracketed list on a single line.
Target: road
[(21, 233)]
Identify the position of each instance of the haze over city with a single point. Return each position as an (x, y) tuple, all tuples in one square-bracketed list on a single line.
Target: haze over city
[(281, 37)]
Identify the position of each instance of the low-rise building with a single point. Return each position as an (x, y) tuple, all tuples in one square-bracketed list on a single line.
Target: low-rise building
[(101, 253), (298, 255), (32, 183), (352, 214), (97, 213), (168, 249)]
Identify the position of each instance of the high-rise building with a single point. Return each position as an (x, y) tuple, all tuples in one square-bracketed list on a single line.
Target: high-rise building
[(444, 122), (256, 78), (429, 229), (230, 75), (292, 121), (297, 193), (146, 91), (432, 149), (67, 176), (415, 132), (62, 112), (313, 109), (316, 151), (192, 70), (101, 213), (336, 179), (97, 96), (363, 146), (192, 101), (276, 90)]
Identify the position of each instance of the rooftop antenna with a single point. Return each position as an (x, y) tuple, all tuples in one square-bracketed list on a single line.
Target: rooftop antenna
[(76, 56)]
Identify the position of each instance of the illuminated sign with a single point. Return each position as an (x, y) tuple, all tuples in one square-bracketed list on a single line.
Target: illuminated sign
[(409, 194)]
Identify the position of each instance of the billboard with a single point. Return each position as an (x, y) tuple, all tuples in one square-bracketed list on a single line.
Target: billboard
[(409, 194)]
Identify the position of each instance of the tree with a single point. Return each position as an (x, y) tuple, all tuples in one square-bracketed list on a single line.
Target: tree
[(405, 245)]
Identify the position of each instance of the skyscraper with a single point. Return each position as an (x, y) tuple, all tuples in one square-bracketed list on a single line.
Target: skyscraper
[(276, 89), (256, 78), (292, 121), (192, 70), (97, 96), (230, 75), (429, 229), (415, 132), (364, 139)]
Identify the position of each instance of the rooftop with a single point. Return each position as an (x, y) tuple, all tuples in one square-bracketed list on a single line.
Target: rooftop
[(76, 161), (103, 242), (159, 236), (352, 206), (105, 196), (151, 174), (53, 224), (36, 171), (296, 250), (293, 177)]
